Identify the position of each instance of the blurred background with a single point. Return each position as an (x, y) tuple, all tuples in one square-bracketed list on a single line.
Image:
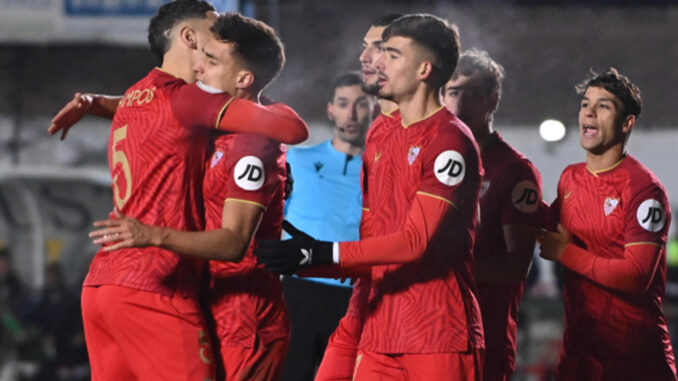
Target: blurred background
[(51, 190)]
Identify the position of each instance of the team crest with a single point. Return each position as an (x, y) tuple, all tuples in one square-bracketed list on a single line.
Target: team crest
[(610, 205), (484, 187), (412, 154), (216, 157)]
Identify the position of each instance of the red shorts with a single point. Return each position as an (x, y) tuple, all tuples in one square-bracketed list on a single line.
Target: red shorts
[(263, 362), (138, 335), (372, 366), (339, 359)]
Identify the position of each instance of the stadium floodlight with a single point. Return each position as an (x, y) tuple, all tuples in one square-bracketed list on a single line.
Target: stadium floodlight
[(552, 130)]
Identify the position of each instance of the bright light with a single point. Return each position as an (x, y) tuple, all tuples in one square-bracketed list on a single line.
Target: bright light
[(552, 130)]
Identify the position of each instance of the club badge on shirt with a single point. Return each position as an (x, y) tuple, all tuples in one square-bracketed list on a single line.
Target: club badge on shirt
[(216, 157), (412, 154), (449, 167), (650, 215), (484, 187), (249, 173), (610, 205)]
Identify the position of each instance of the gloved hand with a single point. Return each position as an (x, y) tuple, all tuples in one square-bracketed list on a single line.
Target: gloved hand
[(302, 250)]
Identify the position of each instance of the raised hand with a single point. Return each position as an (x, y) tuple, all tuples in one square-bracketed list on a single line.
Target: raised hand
[(71, 114)]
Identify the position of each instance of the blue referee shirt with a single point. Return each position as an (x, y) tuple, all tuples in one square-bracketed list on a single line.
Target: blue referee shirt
[(326, 200)]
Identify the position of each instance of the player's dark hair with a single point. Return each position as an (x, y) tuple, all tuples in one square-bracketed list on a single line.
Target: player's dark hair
[(476, 61), (167, 17), (617, 84), (436, 35), (350, 78), (386, 20), (256, 43)]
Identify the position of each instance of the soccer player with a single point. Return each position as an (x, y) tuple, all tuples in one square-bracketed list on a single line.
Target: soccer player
[(326, 203), (140, 305), (510, 212), (614, 217), (244, 190), (422, 319), (338, 362)]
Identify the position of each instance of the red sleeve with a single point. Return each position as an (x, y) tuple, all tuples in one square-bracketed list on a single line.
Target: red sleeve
[(276, 121), (407, 245), (648, 217), (633, 273), (449, 161), (201, 105), (254, 173), (196, 106)]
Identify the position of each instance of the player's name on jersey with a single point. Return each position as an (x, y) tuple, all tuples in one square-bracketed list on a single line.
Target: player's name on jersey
[(137, 97)]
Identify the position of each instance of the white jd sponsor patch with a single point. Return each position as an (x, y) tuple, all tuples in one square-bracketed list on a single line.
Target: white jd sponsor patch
[(449, 167), (610, 205), (525, 196), (216, 157), (650, 215), (249, 173)]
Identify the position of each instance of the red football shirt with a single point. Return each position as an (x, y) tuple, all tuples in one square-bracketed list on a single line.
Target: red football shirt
[(611, 333), (426, 306), (246, 299), (157, 149), (380, 129), (510, 193)]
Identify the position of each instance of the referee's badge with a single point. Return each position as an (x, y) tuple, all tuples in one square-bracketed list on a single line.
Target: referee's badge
[(412, 154)]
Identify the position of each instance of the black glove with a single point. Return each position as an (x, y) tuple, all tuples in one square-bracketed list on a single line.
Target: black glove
[(302, 250)]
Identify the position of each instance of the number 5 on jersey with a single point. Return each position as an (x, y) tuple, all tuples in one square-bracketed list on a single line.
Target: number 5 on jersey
[(120, 158)]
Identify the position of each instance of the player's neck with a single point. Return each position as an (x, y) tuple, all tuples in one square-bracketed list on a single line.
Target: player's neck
[(483, 134), (346, 147), (418, 105), (605, 160), (386, 106), (177, 63)]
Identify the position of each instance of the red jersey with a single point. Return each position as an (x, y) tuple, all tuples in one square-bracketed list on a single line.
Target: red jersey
[(157, 149), (611, 333), (380, 129), (510, 193), (246, 299), (425, 306)]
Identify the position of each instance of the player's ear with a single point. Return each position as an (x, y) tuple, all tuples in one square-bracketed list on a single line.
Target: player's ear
[(425, 70), (188, 37), (330, 111), (628, 123), (244, 79)]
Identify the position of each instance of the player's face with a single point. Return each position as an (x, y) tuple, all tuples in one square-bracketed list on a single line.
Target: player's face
[(368, 57), (203, 35), (350, 111), (600, 123), (398, 68), (469, 99), (219, 66)]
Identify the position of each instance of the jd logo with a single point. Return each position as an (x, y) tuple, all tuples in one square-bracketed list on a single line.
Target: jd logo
[(450, 167), (249, 173), (525, 196), (252, 172), (650, 215)]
